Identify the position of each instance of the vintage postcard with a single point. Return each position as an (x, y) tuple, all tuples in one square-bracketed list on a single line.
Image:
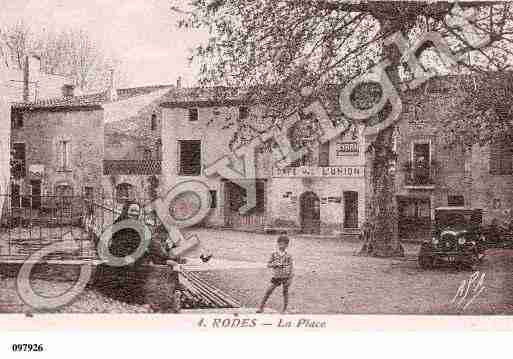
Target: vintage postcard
[(260, 164)]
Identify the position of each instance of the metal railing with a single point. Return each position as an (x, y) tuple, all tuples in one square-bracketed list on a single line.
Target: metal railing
[(29, 223), (424, 176)]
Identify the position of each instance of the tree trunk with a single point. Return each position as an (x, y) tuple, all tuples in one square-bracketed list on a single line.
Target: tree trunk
[(381, 229)]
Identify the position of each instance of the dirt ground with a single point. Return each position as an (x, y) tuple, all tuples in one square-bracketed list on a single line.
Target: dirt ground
[(329, 278)]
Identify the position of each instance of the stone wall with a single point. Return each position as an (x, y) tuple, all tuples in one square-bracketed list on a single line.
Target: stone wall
[(493, 193), (423, 111), (459, 171), (41, 133)]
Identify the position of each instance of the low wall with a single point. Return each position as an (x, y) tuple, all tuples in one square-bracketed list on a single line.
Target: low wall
[(143, 284), (140, 284)]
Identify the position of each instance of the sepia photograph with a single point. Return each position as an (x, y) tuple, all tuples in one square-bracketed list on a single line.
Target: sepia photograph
[(227, 164)]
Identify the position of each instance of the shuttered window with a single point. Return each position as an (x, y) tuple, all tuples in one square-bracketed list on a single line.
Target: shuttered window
[(501, 157), (19, 160), (64, 155), (190, 158)]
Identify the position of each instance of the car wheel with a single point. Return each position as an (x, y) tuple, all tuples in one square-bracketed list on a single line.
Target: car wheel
[(473, 262), (426, 262)]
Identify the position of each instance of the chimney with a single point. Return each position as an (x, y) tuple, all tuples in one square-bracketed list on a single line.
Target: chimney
[(112, 92), (68, 91), (179, 82), (31, 71)]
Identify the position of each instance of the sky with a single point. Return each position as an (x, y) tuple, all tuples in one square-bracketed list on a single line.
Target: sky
[(141, 33)]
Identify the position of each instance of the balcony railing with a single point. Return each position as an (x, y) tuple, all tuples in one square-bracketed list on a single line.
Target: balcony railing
[(420, 176), (131, 167)]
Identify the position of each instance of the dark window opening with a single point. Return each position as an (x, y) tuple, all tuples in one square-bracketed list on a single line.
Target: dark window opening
[(243, 112), (63, 190), (16, 120), (36, 193), (88, 192), (18, 159), (153, 122), (324, 154), (124, 192), (64, 197), (147, 155), (238, 198), (501, 157), (15, 195), (158, 146), (25, 201), (190, 158), (193, 114), (421, 167), (455, 201), (350, 209), (213, 199)]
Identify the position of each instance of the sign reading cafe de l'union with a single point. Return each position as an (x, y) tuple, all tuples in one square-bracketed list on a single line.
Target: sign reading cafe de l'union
[(313, 171)]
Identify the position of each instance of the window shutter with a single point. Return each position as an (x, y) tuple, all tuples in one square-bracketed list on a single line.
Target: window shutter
[(58, 153), (68, 155), (501, 157)]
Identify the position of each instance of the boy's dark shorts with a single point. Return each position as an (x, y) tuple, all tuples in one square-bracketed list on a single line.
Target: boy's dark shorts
[(280, 281)]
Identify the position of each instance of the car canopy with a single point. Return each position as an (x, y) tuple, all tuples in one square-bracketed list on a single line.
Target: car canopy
[(458, 217)]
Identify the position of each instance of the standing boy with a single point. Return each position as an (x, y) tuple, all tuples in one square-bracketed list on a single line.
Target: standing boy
[(281, 264)]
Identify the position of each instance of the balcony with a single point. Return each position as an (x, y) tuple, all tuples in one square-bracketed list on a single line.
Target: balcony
[(420, 177), (131, 167)]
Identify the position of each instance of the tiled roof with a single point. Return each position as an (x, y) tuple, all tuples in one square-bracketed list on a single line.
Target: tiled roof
[(95, 99), (201, 95)]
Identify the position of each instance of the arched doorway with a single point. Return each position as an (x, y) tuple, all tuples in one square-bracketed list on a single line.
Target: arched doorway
[(310, 213)]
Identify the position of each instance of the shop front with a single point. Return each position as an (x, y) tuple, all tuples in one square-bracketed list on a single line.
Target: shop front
[(318, 200)]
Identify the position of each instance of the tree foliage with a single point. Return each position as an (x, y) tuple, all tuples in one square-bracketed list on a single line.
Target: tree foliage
[(286, 45), (275, 49), (67, 52)]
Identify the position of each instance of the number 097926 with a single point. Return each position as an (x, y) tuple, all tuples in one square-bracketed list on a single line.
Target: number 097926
[(27, 347)]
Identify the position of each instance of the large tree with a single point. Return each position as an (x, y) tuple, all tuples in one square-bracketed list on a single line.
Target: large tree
[(68, 52), (276, 48)]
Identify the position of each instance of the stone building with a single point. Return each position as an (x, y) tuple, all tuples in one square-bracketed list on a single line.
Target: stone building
[(58, 149), (431, 174), (133, 154), (25, 85), (323, 192), (65, 149)]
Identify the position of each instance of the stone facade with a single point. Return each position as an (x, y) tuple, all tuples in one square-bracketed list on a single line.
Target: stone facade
[(15, 85), (456, 176), (285, 198), (492, 192), (133, 150), (44, 131)]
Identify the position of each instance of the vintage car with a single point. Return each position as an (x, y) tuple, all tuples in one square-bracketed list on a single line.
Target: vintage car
[(457, 238)]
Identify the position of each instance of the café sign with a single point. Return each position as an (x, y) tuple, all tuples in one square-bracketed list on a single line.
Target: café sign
[(319, 172)]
